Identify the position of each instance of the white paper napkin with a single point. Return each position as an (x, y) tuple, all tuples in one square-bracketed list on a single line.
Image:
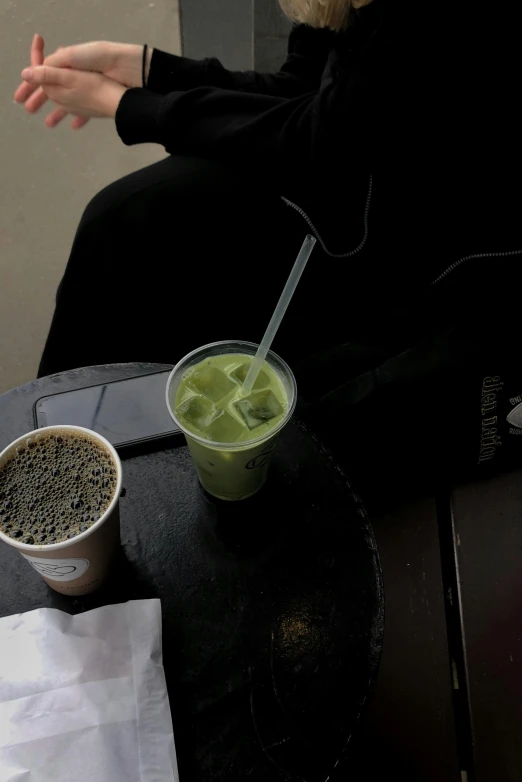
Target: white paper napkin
[(83, 698)]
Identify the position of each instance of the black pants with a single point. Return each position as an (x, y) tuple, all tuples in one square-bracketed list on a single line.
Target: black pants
[(181, 253)]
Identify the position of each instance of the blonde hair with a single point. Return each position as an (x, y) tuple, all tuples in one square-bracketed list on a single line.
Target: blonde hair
[(321, 13)]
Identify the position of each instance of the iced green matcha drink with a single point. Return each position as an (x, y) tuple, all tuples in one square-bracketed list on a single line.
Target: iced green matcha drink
[(231, 435)]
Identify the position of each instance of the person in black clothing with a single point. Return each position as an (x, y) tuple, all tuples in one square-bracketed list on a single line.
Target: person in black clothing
[(388, 133)]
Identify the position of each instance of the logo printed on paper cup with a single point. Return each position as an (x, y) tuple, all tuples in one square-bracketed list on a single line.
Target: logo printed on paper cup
[(59, 569)]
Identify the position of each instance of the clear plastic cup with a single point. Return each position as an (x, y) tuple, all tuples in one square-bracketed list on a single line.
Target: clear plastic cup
[(232, 471)]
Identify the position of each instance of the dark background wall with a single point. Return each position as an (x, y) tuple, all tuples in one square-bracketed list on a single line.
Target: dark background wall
[(243, 34), (270, 35)]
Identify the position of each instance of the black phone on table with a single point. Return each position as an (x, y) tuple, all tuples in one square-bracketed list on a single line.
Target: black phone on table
[(131, 413)]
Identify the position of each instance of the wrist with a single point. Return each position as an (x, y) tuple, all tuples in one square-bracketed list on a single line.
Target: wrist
[(129, 59), (114, 96)]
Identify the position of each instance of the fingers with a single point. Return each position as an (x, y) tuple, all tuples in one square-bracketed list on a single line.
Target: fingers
[(55, 117), (79, 122), (37, 97), (37, 50), (35, 102), (51, 76), (25, 90), (45, 74)]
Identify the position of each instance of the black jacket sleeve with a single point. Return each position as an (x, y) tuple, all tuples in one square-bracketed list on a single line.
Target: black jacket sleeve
[(288, 138), (307, 53)]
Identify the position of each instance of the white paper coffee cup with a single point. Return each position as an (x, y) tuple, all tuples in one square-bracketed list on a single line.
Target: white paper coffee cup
[(78, 565)]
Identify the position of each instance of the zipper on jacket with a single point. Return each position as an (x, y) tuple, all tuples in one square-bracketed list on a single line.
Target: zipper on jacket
[(319, 237), (449, 270), (476, 256)]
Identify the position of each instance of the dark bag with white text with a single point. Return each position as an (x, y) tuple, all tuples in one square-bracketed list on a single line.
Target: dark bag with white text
[(446, 408)]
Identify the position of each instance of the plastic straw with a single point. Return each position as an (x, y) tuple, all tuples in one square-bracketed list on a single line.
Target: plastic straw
[(277, 317)]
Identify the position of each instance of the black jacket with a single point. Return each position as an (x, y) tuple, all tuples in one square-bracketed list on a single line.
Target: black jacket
[(425, 100)]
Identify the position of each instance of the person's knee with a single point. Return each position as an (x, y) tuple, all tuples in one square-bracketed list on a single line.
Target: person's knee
[(175, 186), (106, 201)]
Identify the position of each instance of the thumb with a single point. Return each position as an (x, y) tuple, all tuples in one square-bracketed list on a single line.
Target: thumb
[(81, 57), (44, 74), (65, 57)]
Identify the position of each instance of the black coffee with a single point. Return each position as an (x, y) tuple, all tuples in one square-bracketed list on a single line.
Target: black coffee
[(55, 487)]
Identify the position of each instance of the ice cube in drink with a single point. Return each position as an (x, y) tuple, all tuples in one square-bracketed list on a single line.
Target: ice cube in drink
[(233, 435), (259, 408)]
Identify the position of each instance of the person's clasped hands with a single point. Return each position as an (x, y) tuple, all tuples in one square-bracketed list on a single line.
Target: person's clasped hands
[(86, 80)]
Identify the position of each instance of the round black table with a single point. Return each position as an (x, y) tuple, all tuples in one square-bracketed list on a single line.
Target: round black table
[(272, 607)]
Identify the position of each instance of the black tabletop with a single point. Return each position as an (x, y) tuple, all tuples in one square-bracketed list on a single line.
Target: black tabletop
[(272, 608)]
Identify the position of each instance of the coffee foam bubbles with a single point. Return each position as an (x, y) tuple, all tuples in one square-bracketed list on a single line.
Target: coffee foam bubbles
[(54, 487)]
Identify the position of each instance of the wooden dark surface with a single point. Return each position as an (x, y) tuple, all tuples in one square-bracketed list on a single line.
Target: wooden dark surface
[(487, 519)]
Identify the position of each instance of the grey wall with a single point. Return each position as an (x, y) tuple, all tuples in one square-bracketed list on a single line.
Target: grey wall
[(48, 176)]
